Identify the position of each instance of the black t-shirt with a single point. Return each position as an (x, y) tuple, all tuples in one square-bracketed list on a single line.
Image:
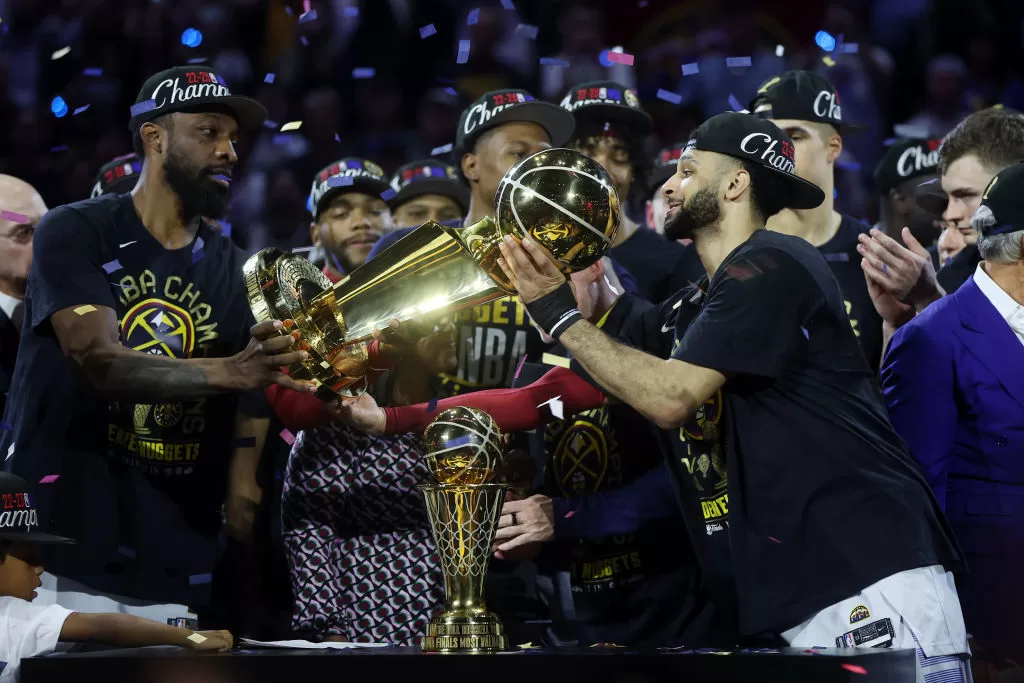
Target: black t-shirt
[(637, 589), (141, 485), (844, 261), (959, 268), (661, 267), (825, 498)]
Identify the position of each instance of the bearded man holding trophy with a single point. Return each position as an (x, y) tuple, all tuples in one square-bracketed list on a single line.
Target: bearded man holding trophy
[(561, 199)]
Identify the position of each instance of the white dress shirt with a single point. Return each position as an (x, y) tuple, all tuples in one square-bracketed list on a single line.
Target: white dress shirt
[(1008, 309), (8, 303)]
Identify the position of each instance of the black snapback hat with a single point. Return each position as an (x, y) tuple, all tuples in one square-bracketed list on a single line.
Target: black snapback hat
[(907, 159), (19, 518), (351, 174), (190, 88), (427, 176), (801, 95), (762, 143), (1002, 206), (498, 107), (664, 166), (607, 101), (117, 175)]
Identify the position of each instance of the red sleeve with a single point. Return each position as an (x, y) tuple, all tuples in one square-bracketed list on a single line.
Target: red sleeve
[(514, 410)]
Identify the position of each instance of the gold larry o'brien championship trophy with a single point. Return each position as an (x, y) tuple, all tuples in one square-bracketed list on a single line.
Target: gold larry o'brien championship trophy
[(562, 198), (464, 449)]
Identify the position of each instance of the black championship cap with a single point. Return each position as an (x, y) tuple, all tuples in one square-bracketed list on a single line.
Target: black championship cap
[(19, 518), (427, 176), (607, 102), (191, 88), (664, 166), (117, 176), (762, 143), (803, 96), (351, 174), (503, 106), (1002, 205), (907, 159)]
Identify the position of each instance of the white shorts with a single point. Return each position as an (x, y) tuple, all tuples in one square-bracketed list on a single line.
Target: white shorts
[(78, 597), (915, 609)]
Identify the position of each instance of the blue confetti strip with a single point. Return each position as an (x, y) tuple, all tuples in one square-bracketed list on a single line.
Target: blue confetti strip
[(553, 61), (451, 91), (92, 72), (443, 149), (735, 104), (245, 442), (364, 72), (270, 124), (59, 148), (825, 41), (199, 579), (225, 228), (127, 552), (849, 48), (112, 266), (460, 441), (432, 405), (269, 78), (143, 107), (304, 40), (690, 69), (527, 31), (351, 12), (307, 16), (339, 181), (388, 194), (733, 62), (197, 251), (669, 96), (427, 31), (463, 52), (79, 110), (508, 4), (336, 138), (197, 60), (59, 107), (473, 17)]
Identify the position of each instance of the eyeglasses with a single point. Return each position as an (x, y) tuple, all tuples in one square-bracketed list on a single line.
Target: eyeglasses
[(22, 234)]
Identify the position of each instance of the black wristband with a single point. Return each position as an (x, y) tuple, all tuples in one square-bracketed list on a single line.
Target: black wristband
[(555, 312)]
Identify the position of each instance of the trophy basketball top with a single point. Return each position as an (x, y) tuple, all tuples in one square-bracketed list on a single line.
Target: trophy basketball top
[(565, 201), (463, 446)]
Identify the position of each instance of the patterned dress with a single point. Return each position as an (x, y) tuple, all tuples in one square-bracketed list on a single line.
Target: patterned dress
[(359, 547)]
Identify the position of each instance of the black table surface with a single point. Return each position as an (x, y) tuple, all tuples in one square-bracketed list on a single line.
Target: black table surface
[(378, 665)]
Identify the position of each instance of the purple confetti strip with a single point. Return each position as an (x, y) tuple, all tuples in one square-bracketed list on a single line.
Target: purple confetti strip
[(288, 437), (288, 10), (519, 368), (735, 104), (339, 181), (427, 31), (460, 441), (197, 60), (364, 72), (307, 16), (112, 266), (772, 538), (463, 52), (225, 228), (623, 58), (351, 12), (270, 124), (304, 40), (527, 31), (849, 48), (245, 442), (443, 149), (5, 427), (473, 17), (143, 107), (197, 251), (691, 69), (12, 216), (669, 96), (337, 138), (199, 579), (388, 194), (432, 405), (641, 4), (282, 139), (269, 78), (49, 479), (79, 110), (127, 552), (92, 72), (733, 62), (451, 91), (807, 335), (553, 61), (59, 148), (889, 142), (508, 4)]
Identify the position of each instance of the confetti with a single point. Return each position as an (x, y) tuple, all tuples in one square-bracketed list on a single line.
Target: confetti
[(807, 335), (772, 538), (197, 639), (126, 244), (269, 78), (245, 442), (364, 72), (829, 62), (848, 165), (59, 148), (339, 181), (199, 579), (427, 31), (555, 405), (443, 149), (569, 514), (291, 125), (12, 216), (527, 31), (112, 266), (734, 62), (641, 4), (388, 194), (553, 61), (288, 437), (143, 107), (79, 110), (351, 12), (59, 107), (5, 427), (473, 17), (849, 48), (779, 50), (191, 37), (127, 552), (225, 228), (451, 91), (853, 668), (552, 359), (432, 405), (735, 104), (336, 138), (669, 96), (92, 72), (82, 310), (507, 4), (308, 15), (519, 368), (60, 53), (10, 452), (197, 251), (825, 41), (690, 69), (304, 40), (620, 58), (197, 60), (463, 52), (49, 479)]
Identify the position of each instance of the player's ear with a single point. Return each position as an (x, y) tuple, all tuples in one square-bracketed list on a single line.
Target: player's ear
[(737, 183), (470, 167), (314, 233)]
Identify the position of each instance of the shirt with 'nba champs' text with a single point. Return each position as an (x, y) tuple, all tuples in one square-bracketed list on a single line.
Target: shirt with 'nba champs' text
[(140, 486)]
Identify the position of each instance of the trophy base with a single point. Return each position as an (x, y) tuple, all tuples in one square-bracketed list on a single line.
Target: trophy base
[(465, 634)]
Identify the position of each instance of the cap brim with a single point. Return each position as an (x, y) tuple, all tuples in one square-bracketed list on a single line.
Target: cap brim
[(636, 120), (556, 121), (365, 185), (249, 112), (34, 537), (418, 188), (657, 179), (802, 194)]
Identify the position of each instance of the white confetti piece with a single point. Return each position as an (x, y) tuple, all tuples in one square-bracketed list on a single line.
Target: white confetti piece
[(82, 310), (197, 638), (291, 125), (556, 406), (60, 53), (779, 50), (10, 452), (552, 359)]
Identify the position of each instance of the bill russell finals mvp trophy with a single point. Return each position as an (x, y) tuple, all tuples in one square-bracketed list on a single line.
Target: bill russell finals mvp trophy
[(464, 449), (563, 199)]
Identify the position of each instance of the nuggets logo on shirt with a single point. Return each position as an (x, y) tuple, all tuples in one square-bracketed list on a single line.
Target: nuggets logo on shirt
[(491, 339), (165, 317), (705, 462)]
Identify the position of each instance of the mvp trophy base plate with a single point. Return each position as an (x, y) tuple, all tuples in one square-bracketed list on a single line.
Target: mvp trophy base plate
[(464, 635)]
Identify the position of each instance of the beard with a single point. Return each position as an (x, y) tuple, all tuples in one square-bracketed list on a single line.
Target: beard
[(701, 211), (200, 194)]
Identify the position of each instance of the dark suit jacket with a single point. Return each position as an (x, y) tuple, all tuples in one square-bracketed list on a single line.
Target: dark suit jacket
[(8, 352)]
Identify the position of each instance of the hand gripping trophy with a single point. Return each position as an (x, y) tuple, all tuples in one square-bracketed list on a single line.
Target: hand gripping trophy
[(464, 448), (563, 199)]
